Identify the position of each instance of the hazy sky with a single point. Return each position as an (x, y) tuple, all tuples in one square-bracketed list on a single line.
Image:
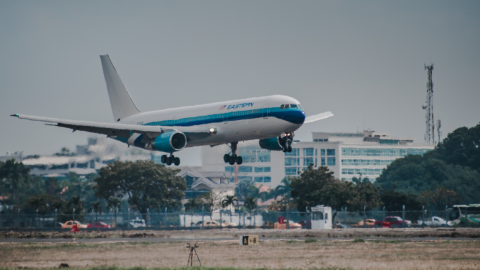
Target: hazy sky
[(362, 60)]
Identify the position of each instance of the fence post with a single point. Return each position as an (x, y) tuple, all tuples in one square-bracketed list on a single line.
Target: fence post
[(146, 221), (184, 219), (18, 218), (221, 220), (166, 217), (286, 218), (403, 215), (383, 214), (254, 220), (128, 218), (446, 215), (202, 219), (56, 219), (73, 215), (423, 216), (364, 216)]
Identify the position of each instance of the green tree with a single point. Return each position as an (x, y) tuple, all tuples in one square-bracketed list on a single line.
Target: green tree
[(212, 201), (229, 200), (250, 203), (395, 200), (191, 205), (75, 203), (144, 183), (96, 207), (242, 189), (441, 197), (115, 204), (16, 174)]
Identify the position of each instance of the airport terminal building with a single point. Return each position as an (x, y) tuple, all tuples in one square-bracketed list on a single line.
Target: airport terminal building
[(346, 154)]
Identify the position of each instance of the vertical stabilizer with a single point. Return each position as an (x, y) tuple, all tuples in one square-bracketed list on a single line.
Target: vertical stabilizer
[(121, 101)]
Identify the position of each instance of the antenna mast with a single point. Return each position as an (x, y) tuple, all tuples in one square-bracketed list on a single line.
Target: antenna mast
[(439, 125), (429, 119)]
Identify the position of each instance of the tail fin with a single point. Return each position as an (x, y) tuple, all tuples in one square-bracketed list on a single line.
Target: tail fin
[(121, 101)]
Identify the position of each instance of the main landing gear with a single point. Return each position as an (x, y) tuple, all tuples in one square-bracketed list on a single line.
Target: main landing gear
[(171, 159), (233, 158), (286, 142)]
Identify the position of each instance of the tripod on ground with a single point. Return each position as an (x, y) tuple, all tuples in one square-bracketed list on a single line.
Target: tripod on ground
[(190, 257)]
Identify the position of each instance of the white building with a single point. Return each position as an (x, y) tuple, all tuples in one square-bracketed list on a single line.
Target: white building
[(346, 154)]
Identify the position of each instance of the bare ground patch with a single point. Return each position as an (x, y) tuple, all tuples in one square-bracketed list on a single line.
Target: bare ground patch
[(272, 254)]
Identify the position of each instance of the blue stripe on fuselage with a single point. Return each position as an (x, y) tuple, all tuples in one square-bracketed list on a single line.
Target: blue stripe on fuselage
[(295, 116)]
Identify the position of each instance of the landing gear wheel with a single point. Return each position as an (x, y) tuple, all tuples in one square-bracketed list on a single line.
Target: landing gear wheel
[(176, 161), (164, 159), (169, 161), (226, 158), (239, 160), (289, 149), (232, 159)]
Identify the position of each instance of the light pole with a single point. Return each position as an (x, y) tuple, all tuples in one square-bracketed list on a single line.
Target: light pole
[(74, 215)]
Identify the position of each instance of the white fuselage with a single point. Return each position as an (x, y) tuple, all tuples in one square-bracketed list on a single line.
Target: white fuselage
[(236, 120)]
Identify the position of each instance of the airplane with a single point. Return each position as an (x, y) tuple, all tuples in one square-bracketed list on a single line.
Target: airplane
[(271, 119)]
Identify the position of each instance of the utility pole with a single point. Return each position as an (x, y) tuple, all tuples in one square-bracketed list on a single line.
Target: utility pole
[(428, 106)]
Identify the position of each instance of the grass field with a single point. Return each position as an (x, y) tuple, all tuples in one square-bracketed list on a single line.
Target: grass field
[(272, 254)]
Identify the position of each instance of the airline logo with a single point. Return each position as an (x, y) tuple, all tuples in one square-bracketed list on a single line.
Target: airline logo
[(236, 106)]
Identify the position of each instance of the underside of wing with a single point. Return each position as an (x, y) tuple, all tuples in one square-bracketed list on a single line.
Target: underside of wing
[(117, 129), (317, 117)]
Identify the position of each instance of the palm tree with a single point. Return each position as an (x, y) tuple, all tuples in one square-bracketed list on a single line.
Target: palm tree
[(284, 189), (115, 203), (76, 203), (229, 200), (16, 173), (97, 207), (39, 204), (250, 204)]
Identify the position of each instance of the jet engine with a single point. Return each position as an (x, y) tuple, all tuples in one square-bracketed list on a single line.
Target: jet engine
[(170, 142), (271, 144)]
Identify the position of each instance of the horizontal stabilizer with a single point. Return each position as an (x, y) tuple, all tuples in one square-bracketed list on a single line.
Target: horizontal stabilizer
[(317, 117)]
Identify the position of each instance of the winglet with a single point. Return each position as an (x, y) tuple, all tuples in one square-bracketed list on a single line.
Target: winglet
[(14, 115)]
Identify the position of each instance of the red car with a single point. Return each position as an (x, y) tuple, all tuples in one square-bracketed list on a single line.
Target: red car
[(98, 224), (394, 220)]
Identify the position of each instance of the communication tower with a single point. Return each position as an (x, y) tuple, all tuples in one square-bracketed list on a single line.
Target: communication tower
[(428, 106)]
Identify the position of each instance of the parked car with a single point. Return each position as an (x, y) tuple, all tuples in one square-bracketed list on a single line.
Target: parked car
[(434, 221), (207, 224), (69, 225), (226, 223), (339, 225), (394, 221), (368, 222), (306, 224), (137, 223), (98, 224)]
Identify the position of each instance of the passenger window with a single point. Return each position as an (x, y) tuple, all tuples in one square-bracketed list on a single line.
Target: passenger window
[(287, 106), (293, 106), (282, 107)]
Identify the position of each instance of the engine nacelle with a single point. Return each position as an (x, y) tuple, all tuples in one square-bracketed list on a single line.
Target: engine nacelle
[(271, 144), (170, 142)]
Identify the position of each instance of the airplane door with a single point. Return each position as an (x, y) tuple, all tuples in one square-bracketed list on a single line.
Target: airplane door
[(265, 111)]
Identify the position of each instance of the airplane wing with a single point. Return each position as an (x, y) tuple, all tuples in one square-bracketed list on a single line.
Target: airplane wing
[(317, 117), (117, 129)]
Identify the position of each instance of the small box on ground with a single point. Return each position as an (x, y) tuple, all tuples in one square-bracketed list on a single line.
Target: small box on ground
[(248, 240)]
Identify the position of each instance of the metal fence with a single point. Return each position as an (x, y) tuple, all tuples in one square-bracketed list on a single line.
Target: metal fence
[(220, 220)]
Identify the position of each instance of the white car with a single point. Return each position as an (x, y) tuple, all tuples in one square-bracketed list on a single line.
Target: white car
[(225, 223), (137, 223), (435, 221)]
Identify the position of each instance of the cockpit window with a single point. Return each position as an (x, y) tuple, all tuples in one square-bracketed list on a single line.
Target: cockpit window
[(287, 106), (282, 107), (299, 106), (293, 106)]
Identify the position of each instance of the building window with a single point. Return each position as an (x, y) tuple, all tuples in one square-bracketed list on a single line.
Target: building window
[(295, 152), (82, 165), (291, 170), (331, 161), (307, 152), (266, 169), (244, 178), (291, 162), (267, 179), (245, 169), (322, 151), (258, 169), (330, 152), (323, 161), (230, 169), (189, 181), (258, 179), (307, 161)]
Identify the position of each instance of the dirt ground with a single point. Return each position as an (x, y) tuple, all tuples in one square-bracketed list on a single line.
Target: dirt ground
[(235, 233), (273, 254)]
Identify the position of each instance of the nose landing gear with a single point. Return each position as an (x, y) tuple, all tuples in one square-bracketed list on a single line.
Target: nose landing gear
[(286, 142), (171, 159), (233, 158)]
